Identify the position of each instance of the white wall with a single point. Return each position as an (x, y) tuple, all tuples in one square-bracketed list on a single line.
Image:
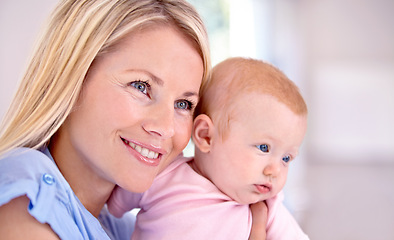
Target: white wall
[(341, 55), (20, 22), (349, 71)]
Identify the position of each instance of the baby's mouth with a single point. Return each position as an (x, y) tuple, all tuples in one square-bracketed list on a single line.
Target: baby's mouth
[(263, 188), (141, 150)]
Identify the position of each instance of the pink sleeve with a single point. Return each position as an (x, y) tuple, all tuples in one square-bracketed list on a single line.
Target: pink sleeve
[(281, 224), (122, 201)]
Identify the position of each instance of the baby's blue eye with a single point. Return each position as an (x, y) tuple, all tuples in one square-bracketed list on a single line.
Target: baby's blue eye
[(286, 159), (263, 148)]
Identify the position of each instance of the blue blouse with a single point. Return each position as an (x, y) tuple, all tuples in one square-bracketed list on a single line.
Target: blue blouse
[(33, 173)]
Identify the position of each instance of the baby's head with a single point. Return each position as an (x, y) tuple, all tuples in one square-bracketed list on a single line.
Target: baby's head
[(249, 124)]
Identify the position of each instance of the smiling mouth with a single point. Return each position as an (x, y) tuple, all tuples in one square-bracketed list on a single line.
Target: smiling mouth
[(147, 153)]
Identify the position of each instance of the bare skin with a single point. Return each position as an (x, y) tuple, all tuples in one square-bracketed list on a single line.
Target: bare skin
[(15, 214), (259, 221)]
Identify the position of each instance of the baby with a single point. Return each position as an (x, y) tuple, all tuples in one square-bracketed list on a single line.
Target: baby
[(249, 124)]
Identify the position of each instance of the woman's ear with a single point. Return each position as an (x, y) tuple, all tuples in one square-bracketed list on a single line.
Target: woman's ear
[(202, 132)]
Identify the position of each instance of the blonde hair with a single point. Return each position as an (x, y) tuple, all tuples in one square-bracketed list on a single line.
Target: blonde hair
[(237, 76), (79, 31)]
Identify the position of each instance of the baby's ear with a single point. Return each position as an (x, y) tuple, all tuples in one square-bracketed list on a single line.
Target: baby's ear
[(202, 132)]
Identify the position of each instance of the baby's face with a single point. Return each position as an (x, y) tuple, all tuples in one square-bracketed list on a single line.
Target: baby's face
[(264, 136)]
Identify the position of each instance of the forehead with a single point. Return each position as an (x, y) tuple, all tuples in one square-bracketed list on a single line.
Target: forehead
[(262, 114), (159, 54), (255, 105), (162, 45)]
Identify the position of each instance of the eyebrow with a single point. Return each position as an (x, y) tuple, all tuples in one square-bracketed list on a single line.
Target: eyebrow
[(191, 94), (155, 78)]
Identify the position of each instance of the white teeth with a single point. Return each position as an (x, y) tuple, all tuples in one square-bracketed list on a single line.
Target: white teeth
[(152, 154), (138, 148), (144, 151)]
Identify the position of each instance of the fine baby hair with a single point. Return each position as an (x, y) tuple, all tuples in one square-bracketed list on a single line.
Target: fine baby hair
[(236, 76)]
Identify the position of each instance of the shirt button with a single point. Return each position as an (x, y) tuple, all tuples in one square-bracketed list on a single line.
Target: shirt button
[(48, 179)]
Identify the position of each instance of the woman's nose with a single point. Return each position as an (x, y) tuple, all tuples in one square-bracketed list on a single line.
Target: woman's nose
[(160, 121), (272, 169)]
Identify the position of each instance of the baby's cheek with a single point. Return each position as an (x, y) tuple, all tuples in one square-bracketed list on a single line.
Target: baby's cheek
[(281, 183)]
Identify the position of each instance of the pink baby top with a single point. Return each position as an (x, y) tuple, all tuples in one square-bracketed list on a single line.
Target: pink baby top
[(181, 204)]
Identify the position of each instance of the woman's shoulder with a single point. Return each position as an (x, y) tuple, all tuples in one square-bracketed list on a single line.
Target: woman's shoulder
[(34, 174), (31, 159), (21, 153), (25, 164), (31, 173)]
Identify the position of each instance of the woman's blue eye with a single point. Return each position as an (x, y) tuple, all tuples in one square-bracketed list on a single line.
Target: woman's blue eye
[(184, 105), (140, 86), (263, 148), (286, 159)]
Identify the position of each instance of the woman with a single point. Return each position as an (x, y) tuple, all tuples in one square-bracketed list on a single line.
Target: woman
[(107, 99)]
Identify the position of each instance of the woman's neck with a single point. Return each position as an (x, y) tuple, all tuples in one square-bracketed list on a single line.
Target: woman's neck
[(92, 190)]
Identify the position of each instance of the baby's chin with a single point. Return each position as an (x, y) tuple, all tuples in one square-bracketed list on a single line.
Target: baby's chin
[(251, 196), (251, 200), (258, 198)]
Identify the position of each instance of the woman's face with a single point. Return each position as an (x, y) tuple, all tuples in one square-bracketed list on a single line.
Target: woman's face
[(134, 114)]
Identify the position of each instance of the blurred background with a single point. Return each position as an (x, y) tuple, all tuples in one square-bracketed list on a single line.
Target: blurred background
[(341, 55)]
